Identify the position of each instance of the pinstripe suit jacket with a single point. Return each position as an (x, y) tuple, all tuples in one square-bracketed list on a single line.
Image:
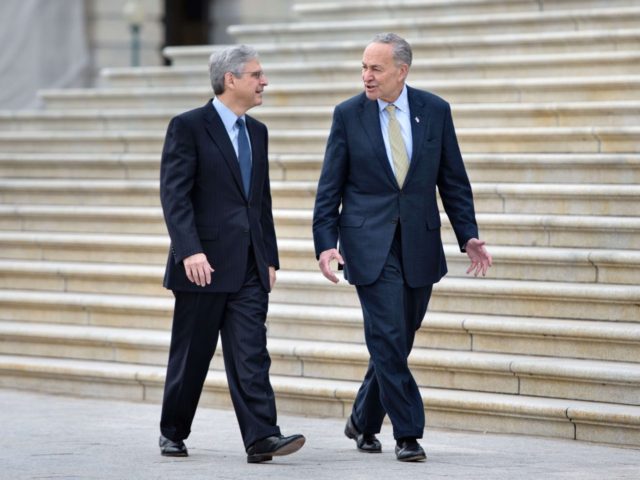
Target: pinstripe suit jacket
[(359, 202), (204, 204)]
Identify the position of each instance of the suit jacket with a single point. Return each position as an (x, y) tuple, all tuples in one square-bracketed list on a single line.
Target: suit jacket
[(204, 204), (356, 175)]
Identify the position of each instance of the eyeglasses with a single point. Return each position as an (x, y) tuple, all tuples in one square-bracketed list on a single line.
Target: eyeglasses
[(258, 74)]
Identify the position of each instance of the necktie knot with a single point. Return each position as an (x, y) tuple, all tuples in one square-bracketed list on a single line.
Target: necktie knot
[(391, 109)]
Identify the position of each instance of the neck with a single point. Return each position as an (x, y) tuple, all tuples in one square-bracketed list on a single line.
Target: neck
[(395, 96), (231, 105)]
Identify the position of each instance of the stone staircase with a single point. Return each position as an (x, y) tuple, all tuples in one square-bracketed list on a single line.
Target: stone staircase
[(545, 95)]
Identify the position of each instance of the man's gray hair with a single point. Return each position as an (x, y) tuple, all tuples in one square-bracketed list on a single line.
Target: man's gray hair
[(401, 48), (230, 59)]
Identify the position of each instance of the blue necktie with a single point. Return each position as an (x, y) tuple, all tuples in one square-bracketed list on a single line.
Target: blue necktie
[(244, 156)]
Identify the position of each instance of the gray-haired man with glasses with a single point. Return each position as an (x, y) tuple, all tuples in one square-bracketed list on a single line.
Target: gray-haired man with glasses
[(216, 199)]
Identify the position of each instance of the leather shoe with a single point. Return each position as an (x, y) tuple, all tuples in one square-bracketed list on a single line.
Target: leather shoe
[(169, 448), (366, 442), (274, 446), (409, 450)]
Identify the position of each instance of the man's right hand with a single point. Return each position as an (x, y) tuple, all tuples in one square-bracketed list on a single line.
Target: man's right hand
[(198, 269), (325, 263)]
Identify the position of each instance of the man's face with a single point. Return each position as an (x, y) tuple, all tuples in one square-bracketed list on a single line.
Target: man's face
[(382, 78), (247, 88)]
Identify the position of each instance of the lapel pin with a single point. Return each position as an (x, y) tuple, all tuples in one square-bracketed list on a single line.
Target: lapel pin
[(417, 120)]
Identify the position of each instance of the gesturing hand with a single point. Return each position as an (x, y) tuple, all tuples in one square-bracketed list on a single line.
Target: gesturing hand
[(198, 269), (325, 263), (480, 259)]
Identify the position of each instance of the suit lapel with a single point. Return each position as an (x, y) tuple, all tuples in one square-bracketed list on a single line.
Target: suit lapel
[(370, 117), (218, 133), (256, 149), (420, 124)]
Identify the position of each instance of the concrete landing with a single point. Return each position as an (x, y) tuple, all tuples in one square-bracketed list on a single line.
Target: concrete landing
[(45, 436)]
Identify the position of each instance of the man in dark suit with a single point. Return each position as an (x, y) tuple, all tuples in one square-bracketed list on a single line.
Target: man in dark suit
[(388, 150), (216, 199)]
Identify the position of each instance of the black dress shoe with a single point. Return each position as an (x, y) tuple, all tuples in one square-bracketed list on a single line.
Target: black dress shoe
[(274, 446), (169, 448), (366, 442), (409, 450)]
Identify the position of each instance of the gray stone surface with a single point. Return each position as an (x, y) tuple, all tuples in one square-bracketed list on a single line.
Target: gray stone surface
[(56, 437)]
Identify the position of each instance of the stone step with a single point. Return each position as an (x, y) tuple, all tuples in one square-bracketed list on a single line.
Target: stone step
[(484, 296), (563, 114), (553, 199), (573, 231), (580, 168), (515, 43), (84, 119), (510, 262), (531, 66), (472, 140), (378, 9), (551, 168), (84, 219), (596, 340), (463, 370), (86, 247), (80, 165), (599, 340), (434, 26), (461, 295), (591, 421), (492, 90), (523, 168), (536, 263)]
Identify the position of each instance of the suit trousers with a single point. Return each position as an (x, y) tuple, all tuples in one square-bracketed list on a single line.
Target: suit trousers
[(239, 318), (392, 312)]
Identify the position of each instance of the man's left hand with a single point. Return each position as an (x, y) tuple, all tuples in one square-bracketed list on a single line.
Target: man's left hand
[(480, 259), (272, 277)]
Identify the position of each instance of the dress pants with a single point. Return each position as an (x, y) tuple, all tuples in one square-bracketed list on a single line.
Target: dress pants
[(240, 318), (392, 313)]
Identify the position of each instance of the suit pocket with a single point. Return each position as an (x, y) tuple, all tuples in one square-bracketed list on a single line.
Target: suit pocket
[(353, 221), (206, 233)]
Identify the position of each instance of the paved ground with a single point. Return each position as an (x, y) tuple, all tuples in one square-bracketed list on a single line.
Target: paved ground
[(56, 437)]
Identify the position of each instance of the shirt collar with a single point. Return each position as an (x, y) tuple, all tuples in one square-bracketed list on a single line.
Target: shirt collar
[(226, 114), (401, 103)]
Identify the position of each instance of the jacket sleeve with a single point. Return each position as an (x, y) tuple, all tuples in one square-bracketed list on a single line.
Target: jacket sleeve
[(454, 187), (266, 217), (177, 176), (330, 187)]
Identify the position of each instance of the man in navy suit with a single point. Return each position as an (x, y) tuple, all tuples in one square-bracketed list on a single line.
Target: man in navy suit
[(216, 199), (388, 150)]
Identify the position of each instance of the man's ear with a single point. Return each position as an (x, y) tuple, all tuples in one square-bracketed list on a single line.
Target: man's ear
[(404, 71), (229, 80)]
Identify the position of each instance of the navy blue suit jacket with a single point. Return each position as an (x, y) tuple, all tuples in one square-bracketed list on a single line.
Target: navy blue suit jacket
[(360, 204), (204, 204)]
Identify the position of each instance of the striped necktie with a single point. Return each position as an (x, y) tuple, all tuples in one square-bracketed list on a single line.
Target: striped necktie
[(398, 148)]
